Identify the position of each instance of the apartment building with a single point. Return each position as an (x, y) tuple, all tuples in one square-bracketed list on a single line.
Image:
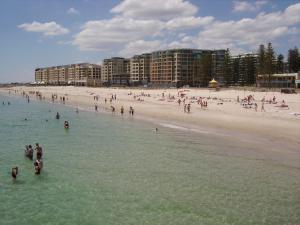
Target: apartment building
[(81, 74), (140, 69), (218, 58), (178, 67), (94, 75), (115, 71), (244, 69), (38, 75), (171, 67)]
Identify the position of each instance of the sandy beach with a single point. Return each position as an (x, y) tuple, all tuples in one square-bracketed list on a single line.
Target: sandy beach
[(225, 113)]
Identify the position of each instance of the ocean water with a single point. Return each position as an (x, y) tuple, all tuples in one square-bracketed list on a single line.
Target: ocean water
[(108, 169)]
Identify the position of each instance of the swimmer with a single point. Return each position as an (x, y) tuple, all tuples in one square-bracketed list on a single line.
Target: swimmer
[(37, 167), (66, 125), (39, 151), (14, 172), (29, 152), (25, 119)]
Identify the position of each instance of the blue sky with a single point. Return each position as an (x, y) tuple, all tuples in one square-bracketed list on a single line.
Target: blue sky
[(38, 33)]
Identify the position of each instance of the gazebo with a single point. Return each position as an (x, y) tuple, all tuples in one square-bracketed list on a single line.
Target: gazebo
[(213, 83)]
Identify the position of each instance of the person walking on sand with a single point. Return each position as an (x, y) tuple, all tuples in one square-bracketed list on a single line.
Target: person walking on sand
[(96, 108), (255, 107), (184, 109), (263, 106), (189, 108), (122, 110), (112, 109)]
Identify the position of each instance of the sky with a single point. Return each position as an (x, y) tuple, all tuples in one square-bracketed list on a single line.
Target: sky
[(41, 33)]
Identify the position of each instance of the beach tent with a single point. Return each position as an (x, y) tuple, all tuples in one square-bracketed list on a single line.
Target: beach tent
[(213, 83)]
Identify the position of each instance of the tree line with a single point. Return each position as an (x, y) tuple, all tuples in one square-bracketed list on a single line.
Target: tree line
[(269, 63), (243, 69)]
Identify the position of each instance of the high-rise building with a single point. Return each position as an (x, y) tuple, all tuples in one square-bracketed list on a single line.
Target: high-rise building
[(244, 69), (178, 67), (172, 67), (218, 57), (115, 71), (140, 69)]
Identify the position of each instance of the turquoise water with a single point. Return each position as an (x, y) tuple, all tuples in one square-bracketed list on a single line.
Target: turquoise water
[(111, 170)]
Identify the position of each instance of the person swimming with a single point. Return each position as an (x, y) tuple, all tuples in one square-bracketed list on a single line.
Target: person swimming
[(39, 151), (29, 152), (38, 166), (66, 125), (14, 172), (57, 116)]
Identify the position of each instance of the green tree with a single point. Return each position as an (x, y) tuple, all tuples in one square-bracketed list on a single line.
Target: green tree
[(202, 69), (294, 60), (250, 69), (261, 59), (280, 64), (227, 68), (269, 62)]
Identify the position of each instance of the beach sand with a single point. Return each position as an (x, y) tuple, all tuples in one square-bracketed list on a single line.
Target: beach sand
[(224, 115)]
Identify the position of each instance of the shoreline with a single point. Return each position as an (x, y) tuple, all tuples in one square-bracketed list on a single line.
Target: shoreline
[(227, 119)]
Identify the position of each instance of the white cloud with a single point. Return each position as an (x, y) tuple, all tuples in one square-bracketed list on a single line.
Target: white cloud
[(48, 29), (155, 9), (141, 46), (128, 36), (73, 11), (248, 32), (105, 34), (244, 6), (183, 23)]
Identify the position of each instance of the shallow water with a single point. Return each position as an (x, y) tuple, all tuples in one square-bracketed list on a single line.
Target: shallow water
[(111, 170)]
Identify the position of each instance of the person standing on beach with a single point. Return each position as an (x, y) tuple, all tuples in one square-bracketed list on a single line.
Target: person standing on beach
[(179, 101), (96, 108), (189, 108), (255, 107), (122, 110), (263, 106)]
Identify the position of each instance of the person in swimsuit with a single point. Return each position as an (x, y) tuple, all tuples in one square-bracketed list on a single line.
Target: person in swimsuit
[(14, 172)]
